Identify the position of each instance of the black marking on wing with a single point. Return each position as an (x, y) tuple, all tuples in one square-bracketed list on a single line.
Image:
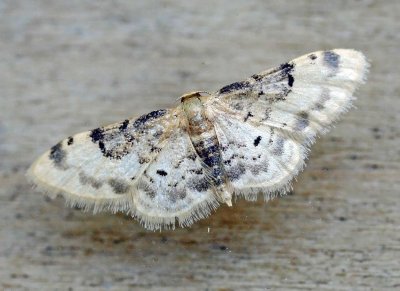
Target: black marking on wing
[(272, 86), (207, 151), (286, 69), (102, 147), (234, 87), (125, 132), (155, 149), (312, 57), (142, 120), (290, 80), (70, 141), (97, 134), (249, 114), (124, 125), (162, 173), (257, 141)]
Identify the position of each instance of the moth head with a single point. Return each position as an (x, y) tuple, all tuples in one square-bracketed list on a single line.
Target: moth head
[(194, 94)]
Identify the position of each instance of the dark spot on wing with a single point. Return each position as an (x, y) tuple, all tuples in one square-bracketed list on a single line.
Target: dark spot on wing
[(58, 155), (278, 149), (196, 171), (155, 149), (118, 186), (70, 141), (302, 121), (212, 160), (209, 151), (257, 77), (233, 173), (117, 142), (249, 114), (312, 56), (88, 180), (216, 172), (162, 173), (97, 134), (149, 191), (176, 194), (290, 80), (124, 125), (143, 160), (149, 116), (256, 169), (331, 59), (192, 156), (325, 96), (234, 87), (257, 141), (200, 185), (286, 67), (102, 147)]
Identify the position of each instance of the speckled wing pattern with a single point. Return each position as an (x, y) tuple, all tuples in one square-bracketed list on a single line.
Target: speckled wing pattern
[(145, 167), (174, 166), (277, 114)]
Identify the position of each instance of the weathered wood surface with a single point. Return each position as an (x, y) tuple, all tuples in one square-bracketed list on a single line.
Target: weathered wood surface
[(68, 66)]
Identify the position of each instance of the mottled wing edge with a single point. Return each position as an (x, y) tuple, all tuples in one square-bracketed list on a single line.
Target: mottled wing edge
[(283, 188), (200, 211), (362, 69), (72, 200), (245, 85), (124, 205)]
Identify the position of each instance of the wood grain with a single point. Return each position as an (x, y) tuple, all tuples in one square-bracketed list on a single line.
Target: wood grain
[(70, 66)]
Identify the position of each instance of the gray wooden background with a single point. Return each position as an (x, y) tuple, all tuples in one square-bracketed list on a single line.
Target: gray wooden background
[(69, 66)]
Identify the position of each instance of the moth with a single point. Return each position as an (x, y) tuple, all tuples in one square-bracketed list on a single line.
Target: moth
[(175, 166)]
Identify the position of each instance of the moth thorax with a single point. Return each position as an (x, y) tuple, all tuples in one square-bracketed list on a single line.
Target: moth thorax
[(196, 116)]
